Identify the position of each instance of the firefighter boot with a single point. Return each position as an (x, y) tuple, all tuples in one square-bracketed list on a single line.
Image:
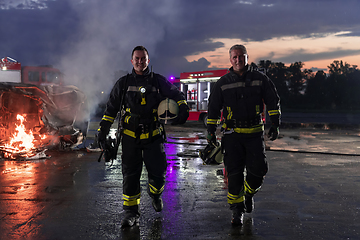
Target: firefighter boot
[(131, 217), (249, 202), (157, 203), (238, 210)]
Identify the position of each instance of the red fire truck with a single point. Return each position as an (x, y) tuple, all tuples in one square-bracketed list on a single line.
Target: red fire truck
[(197, 86), (11, 71)]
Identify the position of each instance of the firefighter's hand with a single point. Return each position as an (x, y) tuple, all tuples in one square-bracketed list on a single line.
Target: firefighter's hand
[(103, 131), (182, 116), (101, 138), (273, 132), (211, 138)]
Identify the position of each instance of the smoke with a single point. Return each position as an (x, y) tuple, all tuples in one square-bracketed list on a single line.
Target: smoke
[(108, 31)]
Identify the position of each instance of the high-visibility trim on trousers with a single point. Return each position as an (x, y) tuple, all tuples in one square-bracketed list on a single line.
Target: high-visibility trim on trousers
[(131, 200), (156, 191), (232, 199), (250, 190)]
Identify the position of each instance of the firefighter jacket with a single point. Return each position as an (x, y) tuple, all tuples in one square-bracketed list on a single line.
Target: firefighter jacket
[(143, 93), (241, 100)]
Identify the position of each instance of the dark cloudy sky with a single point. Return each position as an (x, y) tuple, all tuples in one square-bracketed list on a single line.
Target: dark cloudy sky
[(91, 39)]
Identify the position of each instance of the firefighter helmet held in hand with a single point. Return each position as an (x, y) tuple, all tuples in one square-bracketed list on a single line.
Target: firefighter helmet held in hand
[(212, 154), (168, 109)]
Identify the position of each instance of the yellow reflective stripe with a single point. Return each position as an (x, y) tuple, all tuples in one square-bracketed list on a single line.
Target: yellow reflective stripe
[(274, 112), (255, 129), (131, 200), (108, 118), (256, 83), (249, 190), (230, 114), (212, 121), (232, 85), (240, 84), (127, 119), (181, 102), (154, 190), (143, 135), (231, 199)]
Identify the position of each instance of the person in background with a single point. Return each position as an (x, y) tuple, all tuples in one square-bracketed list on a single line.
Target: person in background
[(142, 138), (241, 95)]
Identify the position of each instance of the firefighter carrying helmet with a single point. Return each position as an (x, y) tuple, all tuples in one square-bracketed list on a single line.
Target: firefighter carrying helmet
[(212, 154), (168, 109)]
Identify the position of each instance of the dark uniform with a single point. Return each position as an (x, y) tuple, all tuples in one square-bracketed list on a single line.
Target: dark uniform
[(142, 139), (241, 99)]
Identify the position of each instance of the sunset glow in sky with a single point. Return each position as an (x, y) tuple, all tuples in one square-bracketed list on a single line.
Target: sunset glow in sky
[(315, 52)]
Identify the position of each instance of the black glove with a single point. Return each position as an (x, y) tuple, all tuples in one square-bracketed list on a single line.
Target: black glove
[(273, 132), (103, 131), (211, 138), (182, 116), (274, 129)]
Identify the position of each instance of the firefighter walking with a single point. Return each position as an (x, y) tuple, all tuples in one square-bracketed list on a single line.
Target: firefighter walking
[(241, 95), (142, 134)]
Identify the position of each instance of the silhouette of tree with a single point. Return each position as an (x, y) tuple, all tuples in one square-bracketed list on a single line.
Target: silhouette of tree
[(316, 91), (339, 85), (278, 74), (300, 88), (264, 65)]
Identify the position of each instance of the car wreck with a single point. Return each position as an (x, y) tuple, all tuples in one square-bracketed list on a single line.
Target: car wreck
[(36, 118)]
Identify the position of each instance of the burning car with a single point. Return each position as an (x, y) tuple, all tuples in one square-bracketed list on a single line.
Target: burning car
[(35, 118)]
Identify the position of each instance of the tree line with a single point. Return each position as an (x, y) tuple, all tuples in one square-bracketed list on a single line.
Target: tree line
[(338, 89)]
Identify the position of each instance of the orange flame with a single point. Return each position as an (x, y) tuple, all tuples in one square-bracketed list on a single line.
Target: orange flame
[(21, 138), (22, 142)]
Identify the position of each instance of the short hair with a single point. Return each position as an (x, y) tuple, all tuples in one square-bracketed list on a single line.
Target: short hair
[(139, 48), (240, 47)]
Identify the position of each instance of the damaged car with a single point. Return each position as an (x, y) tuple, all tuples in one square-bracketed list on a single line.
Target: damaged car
[(36, 118)]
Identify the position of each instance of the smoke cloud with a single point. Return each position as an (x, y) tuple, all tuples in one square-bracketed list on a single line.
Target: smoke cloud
[(108, 31)]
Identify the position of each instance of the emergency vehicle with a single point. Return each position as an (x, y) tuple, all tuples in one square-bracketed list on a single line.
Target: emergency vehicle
[(197, 86), (11, 71)]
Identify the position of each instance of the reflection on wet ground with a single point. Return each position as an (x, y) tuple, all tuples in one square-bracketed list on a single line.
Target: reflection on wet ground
[(318, 141), (306, 194)]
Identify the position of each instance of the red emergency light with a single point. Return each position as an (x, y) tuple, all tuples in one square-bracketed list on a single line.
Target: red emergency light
[(8, 63)]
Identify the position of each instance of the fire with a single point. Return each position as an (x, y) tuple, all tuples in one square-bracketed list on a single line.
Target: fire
[(21, 139), (22, 143)]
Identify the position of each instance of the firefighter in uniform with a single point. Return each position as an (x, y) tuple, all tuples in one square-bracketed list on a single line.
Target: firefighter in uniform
[(241, 94), (142, 138)]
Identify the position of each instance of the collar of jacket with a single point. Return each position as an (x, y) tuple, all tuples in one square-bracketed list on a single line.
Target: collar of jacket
[(145, 73), (248, 69)]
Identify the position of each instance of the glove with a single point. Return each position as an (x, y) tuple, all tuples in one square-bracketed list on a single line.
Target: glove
[(273, 132), (103, 131), (182, 116), (211, 138)]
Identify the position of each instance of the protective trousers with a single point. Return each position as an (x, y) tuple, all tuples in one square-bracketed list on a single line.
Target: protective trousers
[(134, 154), (240, 153)]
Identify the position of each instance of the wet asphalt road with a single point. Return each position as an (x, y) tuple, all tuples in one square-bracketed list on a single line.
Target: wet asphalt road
[(310, 192)]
